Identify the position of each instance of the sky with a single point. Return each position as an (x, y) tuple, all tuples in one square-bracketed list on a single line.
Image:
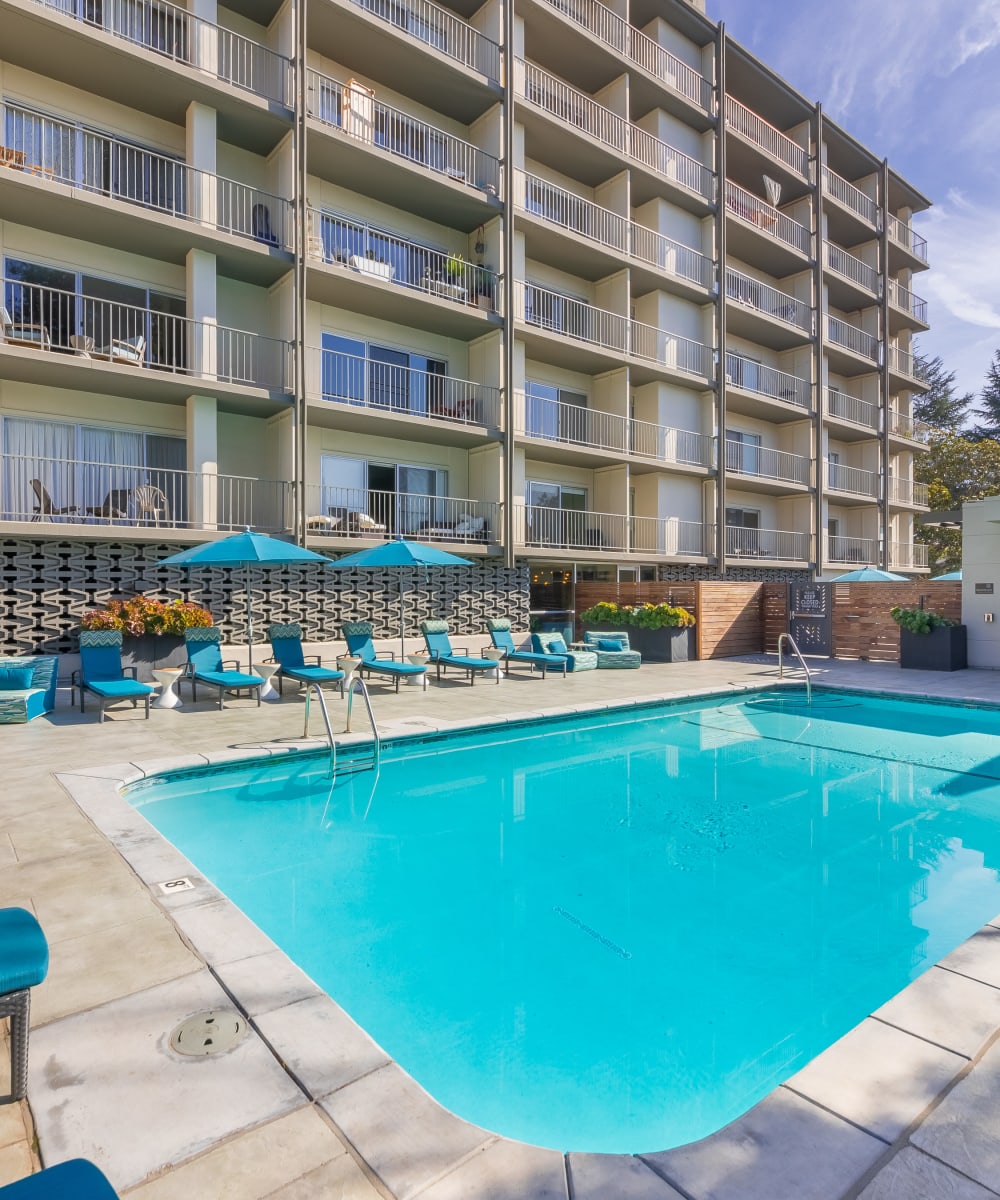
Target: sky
[(915, 81)]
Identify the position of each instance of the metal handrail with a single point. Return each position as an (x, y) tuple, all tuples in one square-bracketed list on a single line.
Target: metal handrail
[(782, 637), (315, 687), (358, 683)]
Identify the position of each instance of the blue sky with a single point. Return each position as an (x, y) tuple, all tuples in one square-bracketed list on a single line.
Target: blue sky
[(904, 77)]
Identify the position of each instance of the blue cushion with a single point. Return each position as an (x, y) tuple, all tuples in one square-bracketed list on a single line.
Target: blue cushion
[(77, 1178), (16, 679), (609, 644), (557, 645), (118, 689), (229, 679), (312, 674), (24, 952)]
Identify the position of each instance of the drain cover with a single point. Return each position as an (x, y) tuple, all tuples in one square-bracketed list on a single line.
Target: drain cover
[(207, 1033)]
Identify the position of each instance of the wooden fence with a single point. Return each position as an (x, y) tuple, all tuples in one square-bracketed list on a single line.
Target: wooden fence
[(862, 627)]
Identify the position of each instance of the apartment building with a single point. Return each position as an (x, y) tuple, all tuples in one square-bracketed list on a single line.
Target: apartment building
[(580, 287)]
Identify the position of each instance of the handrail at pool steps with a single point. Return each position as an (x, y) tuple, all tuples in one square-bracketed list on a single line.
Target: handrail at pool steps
[(311, 687), (787, 637), (358, 684)]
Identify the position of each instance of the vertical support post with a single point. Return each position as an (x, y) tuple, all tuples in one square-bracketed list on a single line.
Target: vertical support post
[(883, 344), (507, 217), (818, 348), (720, 303), (202, 427), (300, 410), (200, 152)]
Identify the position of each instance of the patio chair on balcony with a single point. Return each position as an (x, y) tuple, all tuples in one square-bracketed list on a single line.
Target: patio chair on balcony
[(114, 507), (130, 351), (151, 504), (44, 506), (23, 333)]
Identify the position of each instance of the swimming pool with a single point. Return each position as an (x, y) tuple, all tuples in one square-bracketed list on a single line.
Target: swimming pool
[(618, 932)]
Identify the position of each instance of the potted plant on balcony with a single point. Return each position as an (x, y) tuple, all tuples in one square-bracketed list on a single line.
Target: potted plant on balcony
[(482, 285), (152, 630), (928, 641), (660, 632)]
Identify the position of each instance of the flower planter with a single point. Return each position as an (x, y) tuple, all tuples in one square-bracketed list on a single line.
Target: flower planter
[(670, 644), (152, 651), (942, 649)]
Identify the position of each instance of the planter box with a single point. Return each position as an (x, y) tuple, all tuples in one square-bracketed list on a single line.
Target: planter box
[(656, 645), (940, 650), (152, 651)]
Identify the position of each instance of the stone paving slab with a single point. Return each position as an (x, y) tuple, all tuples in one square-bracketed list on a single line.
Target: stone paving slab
[(914, 1176), (266, 982), (950, 1010), (600, 1176), (978, 958), (504, 1170)]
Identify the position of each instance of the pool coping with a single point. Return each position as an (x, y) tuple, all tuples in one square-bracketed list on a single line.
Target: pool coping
[(824, 1132)]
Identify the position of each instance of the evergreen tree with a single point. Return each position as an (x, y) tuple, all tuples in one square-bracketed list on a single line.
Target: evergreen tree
[(940, 407), (989, 402)]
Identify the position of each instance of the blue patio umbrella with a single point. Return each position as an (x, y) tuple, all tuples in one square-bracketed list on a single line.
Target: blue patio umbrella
[(400, 553), (870, 575), (245, 550), (951, 575)]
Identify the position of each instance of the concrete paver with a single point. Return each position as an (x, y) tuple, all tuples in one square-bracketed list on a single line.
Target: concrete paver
[(914, 1176), (950, 1010), (598, 1176)]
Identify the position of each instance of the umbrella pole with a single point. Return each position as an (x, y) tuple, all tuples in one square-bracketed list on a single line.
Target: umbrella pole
[(249, 625), (402, 624)]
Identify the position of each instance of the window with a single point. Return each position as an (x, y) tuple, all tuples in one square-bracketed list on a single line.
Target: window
[(555, 414), (743, 452), (382, 497), (743, 531), (557, 516), (364, 373), (833, 469), (555, 311), (744, 372)]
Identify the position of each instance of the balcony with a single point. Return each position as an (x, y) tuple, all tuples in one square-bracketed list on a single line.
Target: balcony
[(384, 149), (568, 529), (859, 414), (366, 269), (766, 138), (767, 545), (765, 469), (851, 282), (850, 349), (851, 482), (861, 207), (56, 495), (855, 551), (787, 322), (752, 389), (71, 340), (904, 304), (903, 426), (568, 425), (906, 239), (778, 231), (340, 512), (671, 537), (905, 493), (407, 399), (908, 556), (693, 183), (903, 371), (441, 30), (611, 236)]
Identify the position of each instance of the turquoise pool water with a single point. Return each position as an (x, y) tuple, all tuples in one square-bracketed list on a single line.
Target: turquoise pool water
[(616, 933)]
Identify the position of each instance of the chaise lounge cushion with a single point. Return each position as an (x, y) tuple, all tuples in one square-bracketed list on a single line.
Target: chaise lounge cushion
[(624, 658), (27, 688), (576, 660)]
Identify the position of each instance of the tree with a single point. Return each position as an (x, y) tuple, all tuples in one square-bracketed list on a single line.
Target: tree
[(939, 407), (956, 469), (989, 401)]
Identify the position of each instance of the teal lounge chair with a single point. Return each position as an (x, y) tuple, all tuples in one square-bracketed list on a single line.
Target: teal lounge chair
[(577, 659), (439, 647), (24, 962), (205, 665), (101, 673), (286, 643), (502, 638), (76, 1179), (358, 635), (625, 659)]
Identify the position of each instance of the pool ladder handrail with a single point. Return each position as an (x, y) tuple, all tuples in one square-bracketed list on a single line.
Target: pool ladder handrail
[(787, 637), (315, 687), (358, 684)]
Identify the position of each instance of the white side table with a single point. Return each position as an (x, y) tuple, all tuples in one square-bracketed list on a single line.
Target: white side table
[(349, 665), (496, 656), (168, 678), (418, 660), (267, 672)]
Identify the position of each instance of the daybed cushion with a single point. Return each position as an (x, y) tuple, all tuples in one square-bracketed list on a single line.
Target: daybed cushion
[(610, 644), (624, 659), (576, 660), (19, 703)]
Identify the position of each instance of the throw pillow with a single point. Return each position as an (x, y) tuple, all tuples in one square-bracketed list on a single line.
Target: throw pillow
[(557, 645), (610, 644), (16, 679)]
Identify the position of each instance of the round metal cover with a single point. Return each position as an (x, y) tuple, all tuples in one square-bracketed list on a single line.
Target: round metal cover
[(207, 1033)]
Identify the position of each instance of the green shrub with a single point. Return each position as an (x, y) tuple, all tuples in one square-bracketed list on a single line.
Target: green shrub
[(142, 614), (641, 616), (919, 620)]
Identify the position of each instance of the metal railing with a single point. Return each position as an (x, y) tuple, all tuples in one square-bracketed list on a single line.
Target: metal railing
[(787, 637), (179, 35), (52, 320), (670, 350), (769, 220), (905, 236), (853, 480), (761, 462), (368, 250), (561, 207), (903, 299), (902, 425), (908, 492), (763, 298), (441, 29), (570, 529), (75, 491), (844, 549), (367, 383), (902, 362), (576, 108), (94, 162), (908, 555), (851, 197), (353, 110), (771, 140), (845, 264), (360, 512), (752, 376), (778, 545), (851, 338), (671, 536), (849, 408)]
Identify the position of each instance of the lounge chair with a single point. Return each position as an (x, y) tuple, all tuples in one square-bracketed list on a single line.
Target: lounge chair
[(101, 672), (577, 659), (77, 1178), (131, 351), (286, 644), (24, 962), (608, 659), (500, 635), (441, 652), (205, 665), (358, 635), (115, 506), (44, 506)]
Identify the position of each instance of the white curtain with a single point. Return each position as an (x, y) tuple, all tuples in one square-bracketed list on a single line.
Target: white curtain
[(42, 451), (114, 462)]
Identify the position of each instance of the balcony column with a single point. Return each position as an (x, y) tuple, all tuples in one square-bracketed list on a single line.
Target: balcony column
[(204, 354), (202, 460), (200, 144), (205, 36)]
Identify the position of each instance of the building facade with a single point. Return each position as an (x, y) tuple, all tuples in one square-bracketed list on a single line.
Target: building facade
[(579, 288)]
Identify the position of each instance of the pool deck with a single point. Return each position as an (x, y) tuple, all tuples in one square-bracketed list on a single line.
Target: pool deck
[(907, 1105)]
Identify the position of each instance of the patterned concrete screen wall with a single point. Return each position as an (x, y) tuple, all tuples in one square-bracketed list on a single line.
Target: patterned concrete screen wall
[(46, 585)]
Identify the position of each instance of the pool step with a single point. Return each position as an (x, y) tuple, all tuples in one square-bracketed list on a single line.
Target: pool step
[(795, 699)]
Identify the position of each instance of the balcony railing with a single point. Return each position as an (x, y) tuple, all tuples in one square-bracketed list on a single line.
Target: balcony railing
[(769, 220), (852, 480), (366, 383), (752, 376), (902, 425), (383, 256), (569, 529), (670, 350), (904, 235), (902, 362), (353, 111), (760, 462), (850, 408), (903, 299), (908, 492), (66, 323), (98, 163), (358, 512), (440, 29), (601, 225), (858, 550), (768, 300), (557, 421), (907, 556), (772, 141), (851, 338), (851, 268), (74, 491), (850, 196), (670, 536), (576, 108), (179, 35), (777, 545)]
